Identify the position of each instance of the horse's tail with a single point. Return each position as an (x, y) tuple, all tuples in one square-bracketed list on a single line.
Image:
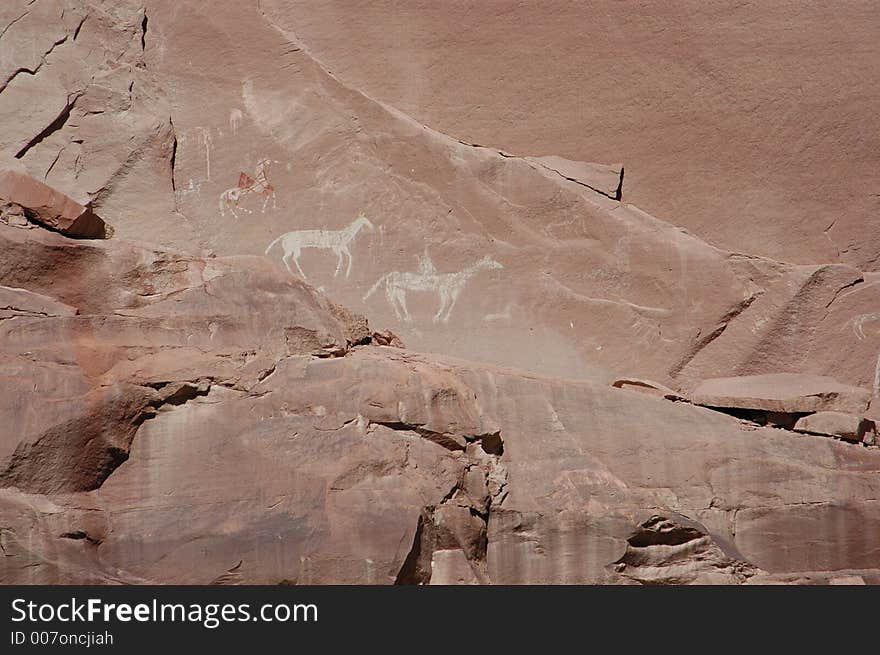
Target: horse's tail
[(376, 286), (269, 247)]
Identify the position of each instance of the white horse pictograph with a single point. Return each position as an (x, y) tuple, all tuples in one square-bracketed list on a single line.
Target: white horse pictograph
[(258, 184), (447, 285), (336, 240)]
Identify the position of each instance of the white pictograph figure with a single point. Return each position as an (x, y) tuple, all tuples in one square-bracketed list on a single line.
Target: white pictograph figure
[(338, 241), (426, 266), (447, 285), (258, 184), (858, 323), (235, 117)]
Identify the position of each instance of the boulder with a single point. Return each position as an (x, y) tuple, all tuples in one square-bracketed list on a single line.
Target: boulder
[(781, 392), (838, 424), (50, 208)]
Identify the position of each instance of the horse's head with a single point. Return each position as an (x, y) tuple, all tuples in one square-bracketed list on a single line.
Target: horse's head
[(362, 221)]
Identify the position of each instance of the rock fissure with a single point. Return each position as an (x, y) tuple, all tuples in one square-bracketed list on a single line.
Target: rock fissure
[(36, 69), (616, 195), (52, 127), (450, 541), (703, 342)]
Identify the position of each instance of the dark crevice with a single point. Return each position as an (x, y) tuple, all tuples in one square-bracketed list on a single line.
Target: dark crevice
[(845, 286), (173, 392), (659, 531), (784, 420), (788, 420), (615, 196), (447, 441), (459, 522), (506, 155), (702, 343), (183, 394), (269, 371), (492, 444), (79, 27), (411, 573), (52, 165), (50, 129), (78, 535), (173, 161), (144, 31)]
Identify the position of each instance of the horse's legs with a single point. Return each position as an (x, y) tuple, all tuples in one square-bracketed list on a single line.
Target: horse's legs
[(285, 258), (454, 295), (230, 199), (296, 261), (406, 316), (444, 298), (399, 296), (391, 295), (347, 252), (338, 252), (233, 201)]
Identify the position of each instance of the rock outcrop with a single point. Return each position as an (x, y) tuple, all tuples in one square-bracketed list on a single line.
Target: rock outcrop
[(52, 209), (782, 393), (837, 424)]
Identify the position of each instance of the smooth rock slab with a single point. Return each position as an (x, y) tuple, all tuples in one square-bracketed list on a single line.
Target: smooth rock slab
[(781, 392)]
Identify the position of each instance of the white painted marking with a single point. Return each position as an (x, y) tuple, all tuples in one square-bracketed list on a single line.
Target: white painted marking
[(336, 240)]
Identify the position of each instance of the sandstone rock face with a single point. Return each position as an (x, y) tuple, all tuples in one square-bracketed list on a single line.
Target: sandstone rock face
[(318, 341), (688, 96)]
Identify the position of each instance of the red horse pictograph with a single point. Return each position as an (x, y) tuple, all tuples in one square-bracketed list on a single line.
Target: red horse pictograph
[(231, 198)]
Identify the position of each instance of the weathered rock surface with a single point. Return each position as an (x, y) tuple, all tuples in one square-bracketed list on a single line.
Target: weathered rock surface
[(199, 397), (750, 124), (383, 466)]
